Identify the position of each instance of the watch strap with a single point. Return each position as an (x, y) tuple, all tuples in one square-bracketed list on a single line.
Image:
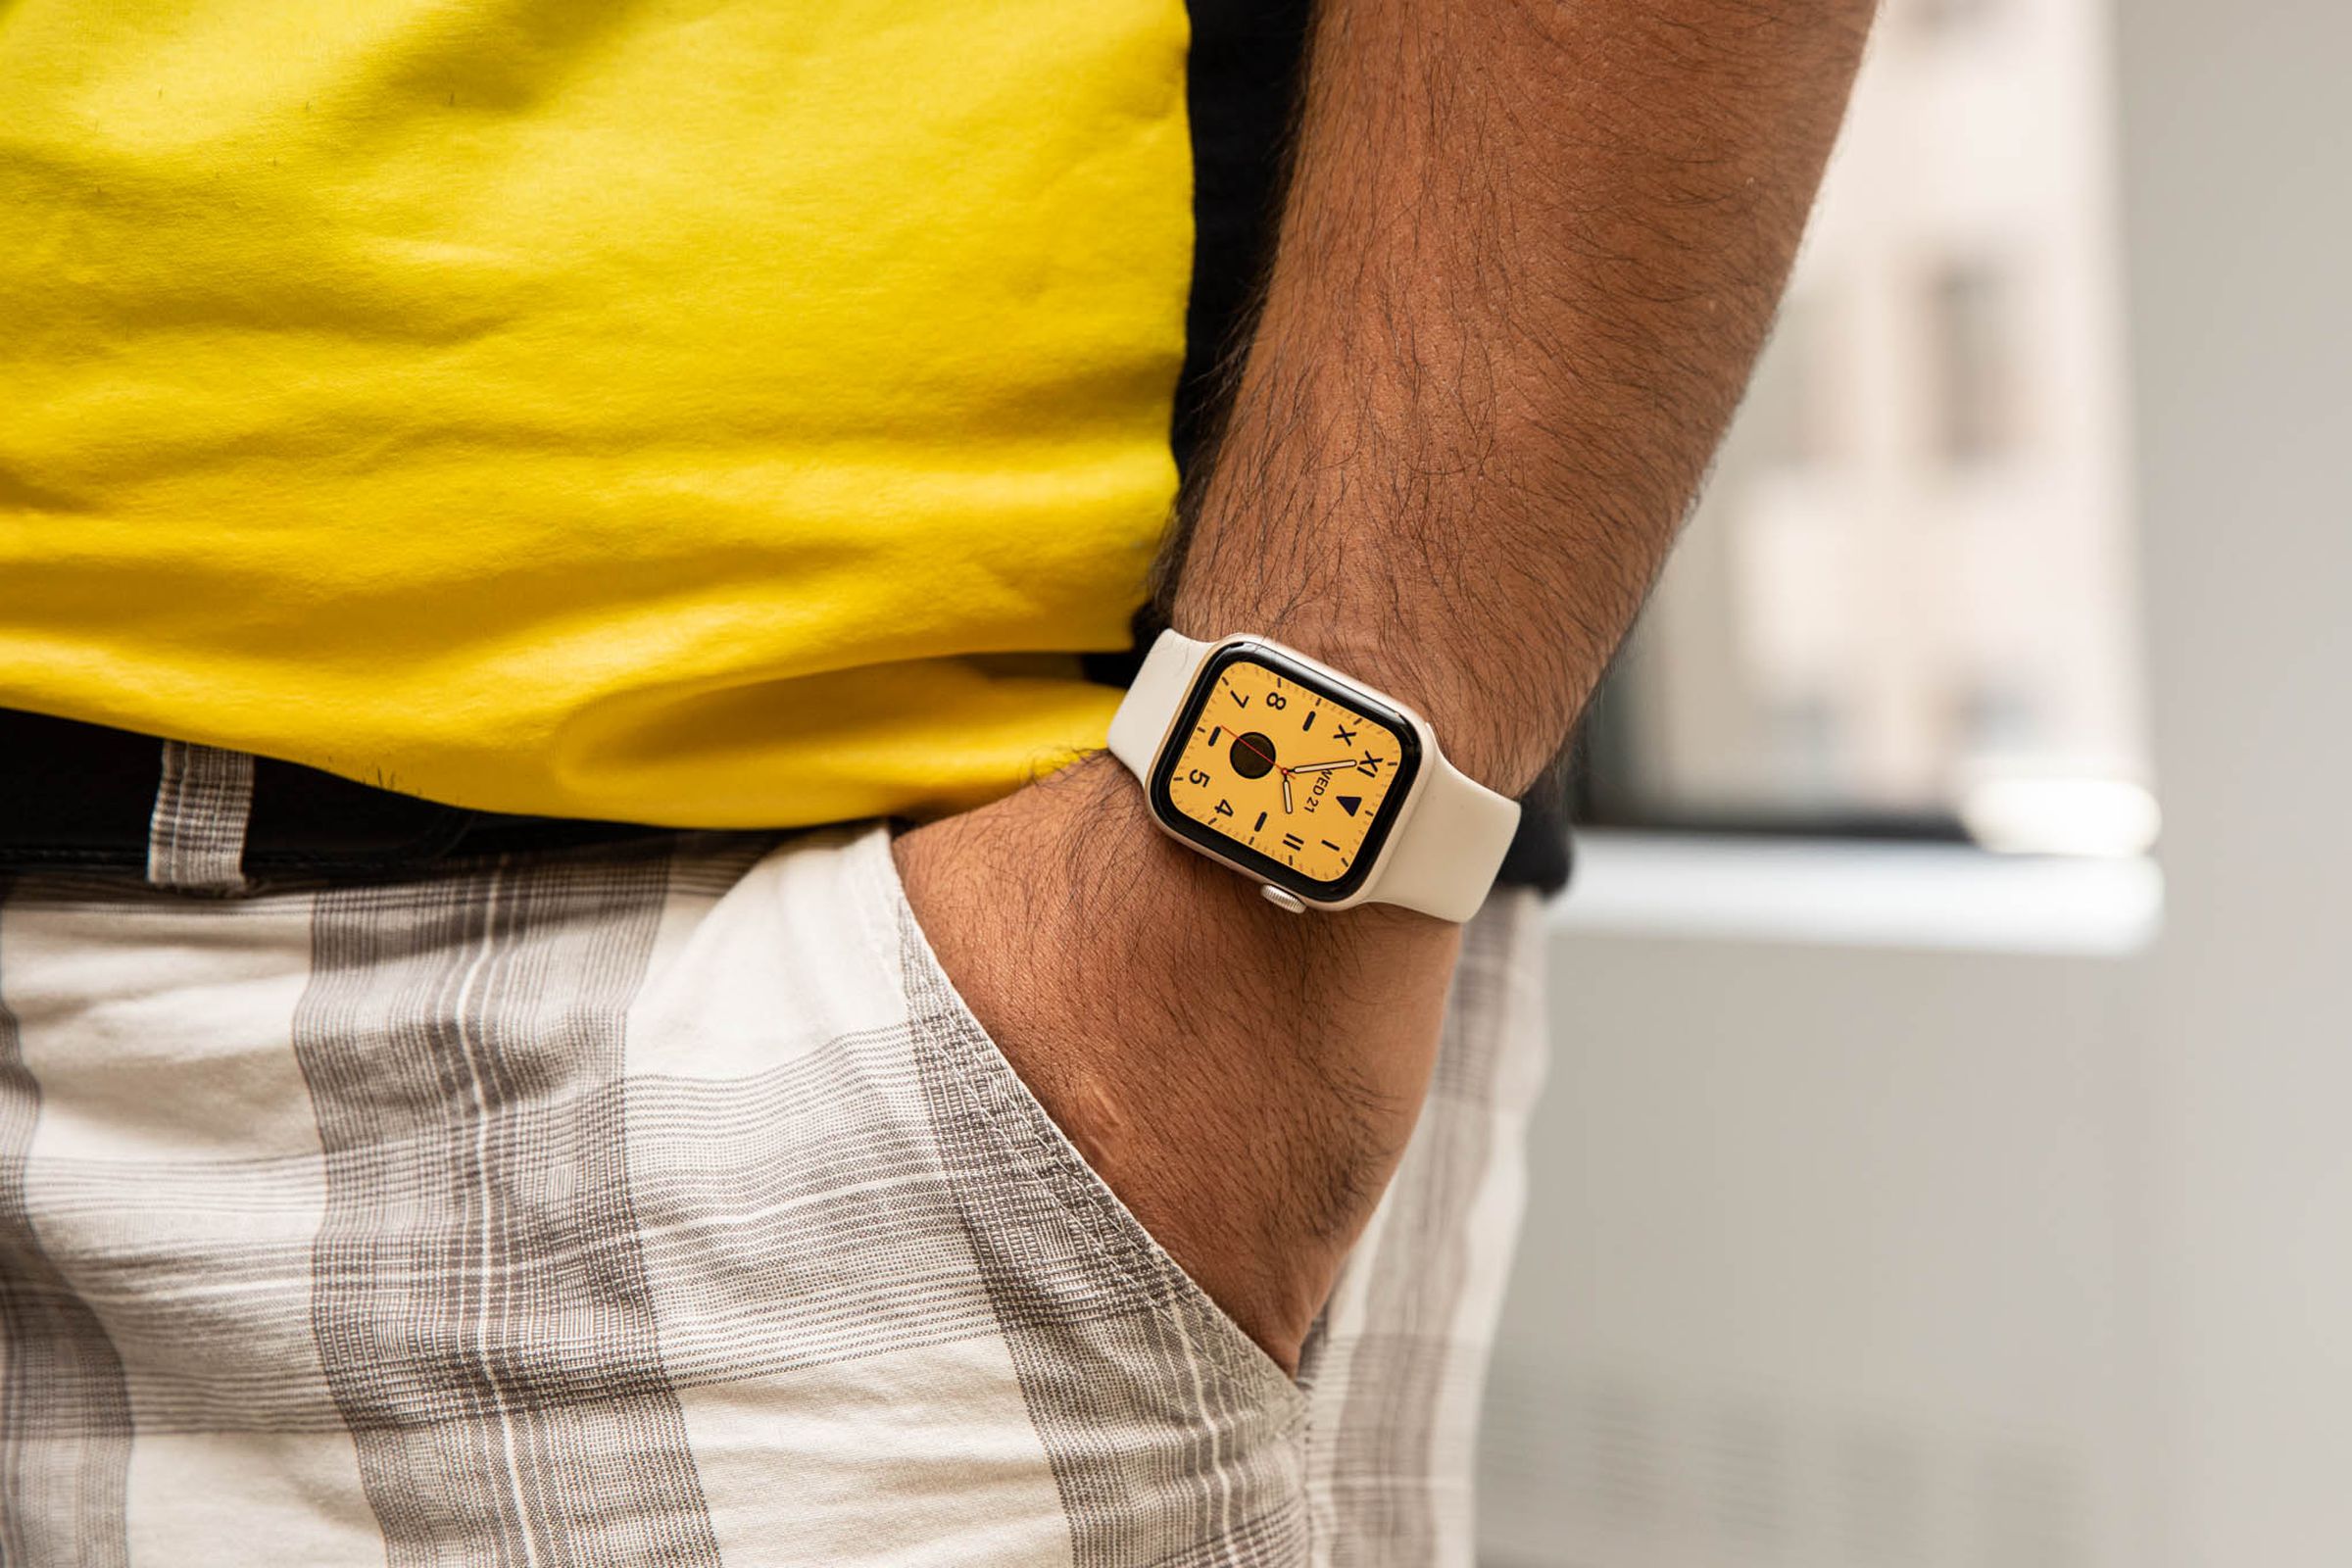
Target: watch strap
[(1150, 708), (1445, 853)]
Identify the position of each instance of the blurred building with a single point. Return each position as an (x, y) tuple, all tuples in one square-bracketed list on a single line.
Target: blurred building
[(1899, 1206), (1841, 1192), (1908, 592)]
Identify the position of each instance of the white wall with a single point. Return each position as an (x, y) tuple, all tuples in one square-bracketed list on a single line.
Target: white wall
[(1830, 1260), (2238, 196), (1845, 1254)]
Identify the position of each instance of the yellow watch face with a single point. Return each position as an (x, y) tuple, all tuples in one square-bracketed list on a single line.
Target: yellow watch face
[(1277, 768)]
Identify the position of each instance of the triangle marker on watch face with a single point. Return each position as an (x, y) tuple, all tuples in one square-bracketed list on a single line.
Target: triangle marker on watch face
[(1257, 782)]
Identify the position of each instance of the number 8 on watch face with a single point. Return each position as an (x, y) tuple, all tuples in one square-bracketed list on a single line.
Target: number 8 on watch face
[(1285, 772)]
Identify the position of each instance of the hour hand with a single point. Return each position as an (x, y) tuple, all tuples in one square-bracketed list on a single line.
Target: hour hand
[(1324, 767), (1285, 792)]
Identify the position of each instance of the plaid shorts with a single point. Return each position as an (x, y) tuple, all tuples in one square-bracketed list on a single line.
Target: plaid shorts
[(660, 1202)]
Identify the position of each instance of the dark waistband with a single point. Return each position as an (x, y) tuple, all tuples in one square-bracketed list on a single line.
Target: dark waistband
[(75, 796), (81, 796)]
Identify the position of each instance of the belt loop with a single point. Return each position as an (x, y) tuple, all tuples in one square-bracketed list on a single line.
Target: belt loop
[(202, 803)]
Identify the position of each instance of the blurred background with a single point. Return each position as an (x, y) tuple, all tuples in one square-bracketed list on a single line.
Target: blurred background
[(1947, 1156)]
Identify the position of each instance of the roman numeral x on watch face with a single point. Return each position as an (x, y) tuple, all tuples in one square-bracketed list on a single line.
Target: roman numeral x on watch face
[(1280, 769)]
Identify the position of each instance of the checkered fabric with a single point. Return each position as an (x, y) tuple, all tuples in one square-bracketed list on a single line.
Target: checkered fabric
[(658, 1204), (196, 836)]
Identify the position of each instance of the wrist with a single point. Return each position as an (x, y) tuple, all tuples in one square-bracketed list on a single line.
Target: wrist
[(1114, 844), (1245, 1079)]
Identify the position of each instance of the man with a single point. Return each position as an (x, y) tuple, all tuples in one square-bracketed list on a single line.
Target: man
[(576, 421)]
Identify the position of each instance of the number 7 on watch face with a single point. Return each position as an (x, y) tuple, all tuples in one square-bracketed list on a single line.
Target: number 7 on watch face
[(1284, 774)]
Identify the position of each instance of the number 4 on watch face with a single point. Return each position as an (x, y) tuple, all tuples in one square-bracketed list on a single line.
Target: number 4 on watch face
[(1282, 773)]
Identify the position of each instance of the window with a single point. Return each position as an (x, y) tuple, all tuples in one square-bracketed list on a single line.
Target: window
[(1970, 366), (1905, 605)]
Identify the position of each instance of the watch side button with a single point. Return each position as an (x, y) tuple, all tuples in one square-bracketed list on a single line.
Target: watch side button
[(1283, 899)]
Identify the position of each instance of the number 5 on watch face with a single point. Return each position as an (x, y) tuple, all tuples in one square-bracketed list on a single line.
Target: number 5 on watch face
[(1281, 770)]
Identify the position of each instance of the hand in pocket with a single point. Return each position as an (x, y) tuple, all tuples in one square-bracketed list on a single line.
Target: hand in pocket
[(1243, 1079)]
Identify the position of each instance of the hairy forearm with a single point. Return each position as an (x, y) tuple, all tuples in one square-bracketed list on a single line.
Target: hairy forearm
[(1527, 254), (1526, 260)]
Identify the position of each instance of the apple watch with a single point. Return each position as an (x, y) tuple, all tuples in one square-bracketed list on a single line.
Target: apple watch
[(1324, 792)]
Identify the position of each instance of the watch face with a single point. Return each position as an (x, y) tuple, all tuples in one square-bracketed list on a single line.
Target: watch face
[(1285, 773)]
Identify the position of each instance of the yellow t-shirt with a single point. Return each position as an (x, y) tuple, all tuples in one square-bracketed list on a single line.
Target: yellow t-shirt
[(712, 413)]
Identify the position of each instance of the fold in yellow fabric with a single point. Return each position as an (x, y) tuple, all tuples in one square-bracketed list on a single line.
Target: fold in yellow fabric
[(711, 412)]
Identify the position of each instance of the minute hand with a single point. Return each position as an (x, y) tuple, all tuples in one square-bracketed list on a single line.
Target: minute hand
[(1325, 768)]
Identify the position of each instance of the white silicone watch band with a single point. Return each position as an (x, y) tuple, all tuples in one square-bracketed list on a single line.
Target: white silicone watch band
[(1442, 855), (1150, 708)]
